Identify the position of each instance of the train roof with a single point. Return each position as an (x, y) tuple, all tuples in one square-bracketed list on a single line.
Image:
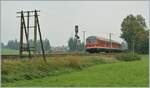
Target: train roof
[(102, 38)]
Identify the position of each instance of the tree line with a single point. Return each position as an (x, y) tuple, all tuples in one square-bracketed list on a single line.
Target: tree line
[(14, 44), (73, 45)]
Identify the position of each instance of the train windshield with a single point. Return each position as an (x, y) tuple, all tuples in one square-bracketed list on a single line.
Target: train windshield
[(91, 39)]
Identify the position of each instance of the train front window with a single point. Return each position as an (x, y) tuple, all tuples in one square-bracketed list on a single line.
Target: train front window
[(91, 40)]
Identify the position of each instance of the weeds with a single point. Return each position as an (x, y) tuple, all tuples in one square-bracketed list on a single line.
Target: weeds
[(36, 68), (127, 56), (13, 70)]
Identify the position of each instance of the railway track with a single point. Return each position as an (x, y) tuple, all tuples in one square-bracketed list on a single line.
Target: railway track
[(54, 55)]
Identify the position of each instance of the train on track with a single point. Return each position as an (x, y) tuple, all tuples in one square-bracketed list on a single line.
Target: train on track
[(96, 44)]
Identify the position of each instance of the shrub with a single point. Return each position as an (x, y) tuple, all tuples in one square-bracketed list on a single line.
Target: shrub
[(127, 56)]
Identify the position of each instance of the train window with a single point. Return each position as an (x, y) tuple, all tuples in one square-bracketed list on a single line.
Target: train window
[(91, 40)]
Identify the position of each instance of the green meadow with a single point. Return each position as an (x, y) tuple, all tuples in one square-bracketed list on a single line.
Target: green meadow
[(9, 51), (79, 71)]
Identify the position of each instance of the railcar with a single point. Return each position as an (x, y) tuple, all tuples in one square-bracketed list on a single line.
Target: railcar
[(99, 44)]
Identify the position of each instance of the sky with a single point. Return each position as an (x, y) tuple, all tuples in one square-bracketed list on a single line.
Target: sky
[(58, 18)]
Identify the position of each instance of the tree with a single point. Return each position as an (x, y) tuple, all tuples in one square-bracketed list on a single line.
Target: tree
[(46, 45), (16, 44), (143, 42), (75, 45), (71, 44), (38, 46), (2, 45), (12, 44), (134, 32)]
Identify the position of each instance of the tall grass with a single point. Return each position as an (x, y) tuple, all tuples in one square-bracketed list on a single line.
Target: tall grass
[(13, 70), (128, 56)]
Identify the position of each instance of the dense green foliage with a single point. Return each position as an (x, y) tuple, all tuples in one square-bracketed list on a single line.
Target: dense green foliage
[(122, 74), (75, 45), (127, 56), (13, 70), (135, 33)]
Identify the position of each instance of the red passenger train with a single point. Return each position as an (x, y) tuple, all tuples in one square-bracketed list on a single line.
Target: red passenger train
[(99, 44)]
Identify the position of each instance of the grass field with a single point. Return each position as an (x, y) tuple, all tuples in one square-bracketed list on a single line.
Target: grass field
[(125, 74), (9, 52)]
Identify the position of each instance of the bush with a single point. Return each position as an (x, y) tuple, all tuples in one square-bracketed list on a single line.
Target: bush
[(127, 56)]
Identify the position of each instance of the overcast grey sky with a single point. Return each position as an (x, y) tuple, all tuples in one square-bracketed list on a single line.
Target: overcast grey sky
[(58, 18)]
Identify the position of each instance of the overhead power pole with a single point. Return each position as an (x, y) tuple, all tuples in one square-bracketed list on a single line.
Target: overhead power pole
[(25, 27), (110, 40), (84, 37)]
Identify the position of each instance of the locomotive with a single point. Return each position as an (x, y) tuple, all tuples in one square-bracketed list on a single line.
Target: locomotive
[(99, 44)]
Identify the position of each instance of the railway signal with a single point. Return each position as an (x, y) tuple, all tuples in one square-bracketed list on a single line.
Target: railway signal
[(76, 32), (26, 28), (76, 37)]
